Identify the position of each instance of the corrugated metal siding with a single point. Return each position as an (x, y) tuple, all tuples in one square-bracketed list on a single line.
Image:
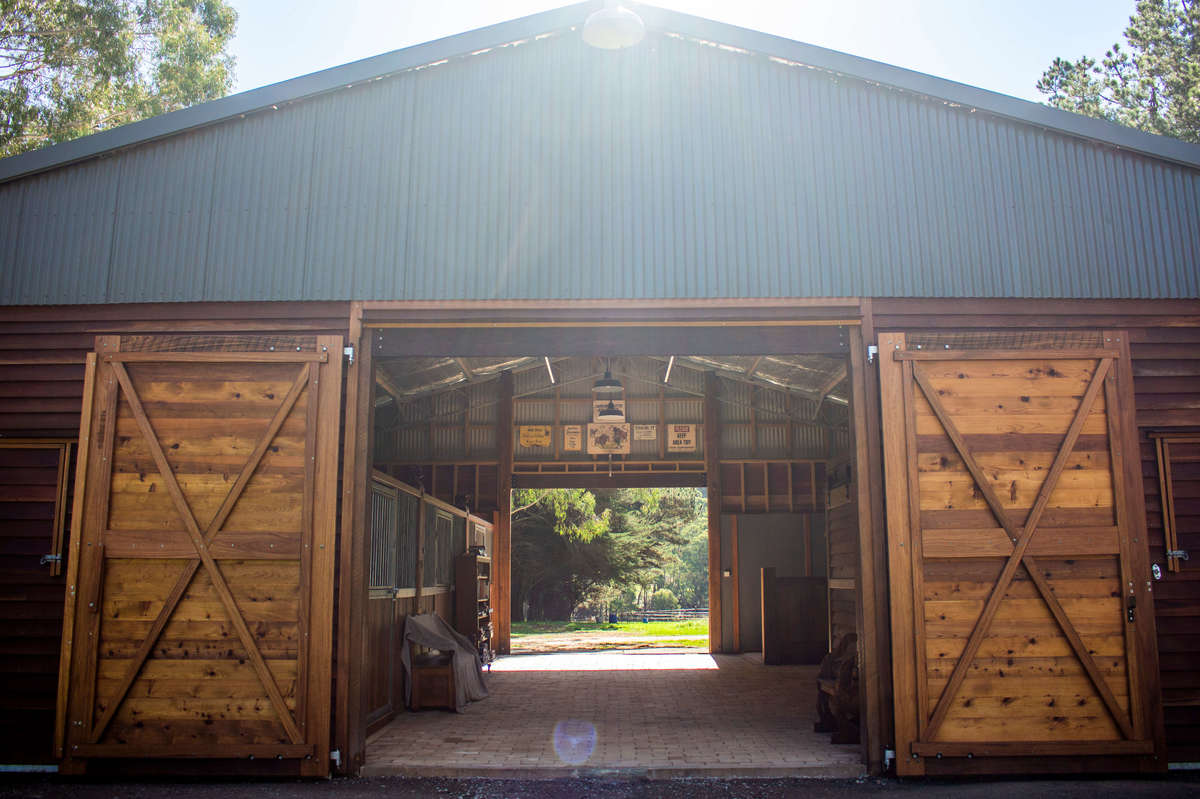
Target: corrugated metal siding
[(550, 170)]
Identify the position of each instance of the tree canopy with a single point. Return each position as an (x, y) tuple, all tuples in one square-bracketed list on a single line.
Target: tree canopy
[(572, 546), (1152, 83), (73, 67)]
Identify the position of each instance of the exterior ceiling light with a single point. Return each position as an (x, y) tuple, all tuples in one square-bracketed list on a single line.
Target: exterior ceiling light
[(609, 412), (613, 27)]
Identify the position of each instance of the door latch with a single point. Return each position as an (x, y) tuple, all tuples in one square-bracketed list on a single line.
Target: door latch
[(1129, 608), (1177, 553), (48, 559)]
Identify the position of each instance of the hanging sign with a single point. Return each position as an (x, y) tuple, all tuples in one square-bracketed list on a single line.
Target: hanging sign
[(573, 438), (645, 432), (600, 405), (605, 438), (534, 435), (681, 438)]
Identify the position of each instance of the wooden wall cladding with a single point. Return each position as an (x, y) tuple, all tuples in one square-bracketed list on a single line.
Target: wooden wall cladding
[(772, 486), (42, 348), (1177, 593), (843, 562), (455, 484), (33, 499)]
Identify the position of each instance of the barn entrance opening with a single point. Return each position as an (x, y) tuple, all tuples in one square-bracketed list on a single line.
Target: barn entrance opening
[(764, 441), (609, 569)]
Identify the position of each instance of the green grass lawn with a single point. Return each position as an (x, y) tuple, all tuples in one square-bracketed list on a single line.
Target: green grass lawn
[(630, 628)]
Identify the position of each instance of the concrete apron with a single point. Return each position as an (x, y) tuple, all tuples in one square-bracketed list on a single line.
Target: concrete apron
[(636, 713)]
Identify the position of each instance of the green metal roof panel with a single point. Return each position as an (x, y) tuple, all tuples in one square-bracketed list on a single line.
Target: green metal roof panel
[(544, 169)]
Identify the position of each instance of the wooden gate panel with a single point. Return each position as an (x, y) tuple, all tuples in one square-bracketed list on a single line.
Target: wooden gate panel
[(1007, 521), (210, 542)]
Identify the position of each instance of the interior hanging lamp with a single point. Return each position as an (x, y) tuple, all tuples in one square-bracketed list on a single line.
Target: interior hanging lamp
[(608, 384), (610, 411)]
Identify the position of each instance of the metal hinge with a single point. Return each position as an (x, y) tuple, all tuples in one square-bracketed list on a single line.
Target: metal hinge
[(872, 351), (47, 559), (349, 353), (1177, 553)]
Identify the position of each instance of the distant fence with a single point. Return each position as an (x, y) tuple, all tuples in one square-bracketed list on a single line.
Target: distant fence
[(678, 614)]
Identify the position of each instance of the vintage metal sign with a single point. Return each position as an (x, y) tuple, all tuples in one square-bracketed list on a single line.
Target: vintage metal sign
[(608, 439), (573, 438), (681, 438), (645, 432), (534, 435)]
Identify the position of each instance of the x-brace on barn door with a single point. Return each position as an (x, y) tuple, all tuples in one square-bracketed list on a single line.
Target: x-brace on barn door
[(200, 599), (1021, 607)]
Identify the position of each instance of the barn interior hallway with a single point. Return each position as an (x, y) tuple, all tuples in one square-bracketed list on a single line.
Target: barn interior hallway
[(657, 713)]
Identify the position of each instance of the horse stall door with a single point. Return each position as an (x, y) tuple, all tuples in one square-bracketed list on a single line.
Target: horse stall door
[(1022, 621), (199, 619)]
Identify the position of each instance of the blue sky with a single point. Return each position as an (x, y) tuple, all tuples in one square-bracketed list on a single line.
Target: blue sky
[(1003, 46)]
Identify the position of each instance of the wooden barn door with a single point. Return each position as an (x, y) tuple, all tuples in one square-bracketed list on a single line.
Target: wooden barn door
[(199, 610), (1022, 621)]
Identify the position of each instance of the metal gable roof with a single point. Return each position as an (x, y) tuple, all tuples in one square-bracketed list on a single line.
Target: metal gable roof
[(569, 18), (533, 167)]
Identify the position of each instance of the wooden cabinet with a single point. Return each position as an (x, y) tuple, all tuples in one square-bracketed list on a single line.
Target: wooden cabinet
[(472, 602)]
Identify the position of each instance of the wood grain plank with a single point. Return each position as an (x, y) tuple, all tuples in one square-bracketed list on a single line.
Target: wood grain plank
[(210, 565), (67, 648), (899, 537), (325, 507), (1020, 539)]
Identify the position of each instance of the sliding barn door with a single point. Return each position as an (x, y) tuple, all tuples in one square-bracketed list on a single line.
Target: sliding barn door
[(1022, 621), (199, 617)]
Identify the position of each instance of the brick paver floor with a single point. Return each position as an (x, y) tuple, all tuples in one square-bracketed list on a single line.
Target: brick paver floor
[(647, 713)]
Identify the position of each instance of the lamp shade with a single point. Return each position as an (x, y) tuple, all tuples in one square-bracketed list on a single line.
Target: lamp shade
[(609, 412), (608, 384), (613, 28)]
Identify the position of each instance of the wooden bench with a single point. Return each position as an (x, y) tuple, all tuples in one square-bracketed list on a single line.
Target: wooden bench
[(837, 692), (432, 682)]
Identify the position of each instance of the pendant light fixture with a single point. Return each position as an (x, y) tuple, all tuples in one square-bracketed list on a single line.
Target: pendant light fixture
[(608, 384), (610, 411)]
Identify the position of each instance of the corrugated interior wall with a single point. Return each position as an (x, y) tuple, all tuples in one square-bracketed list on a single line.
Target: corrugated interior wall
[(42, 352), (548, 169)]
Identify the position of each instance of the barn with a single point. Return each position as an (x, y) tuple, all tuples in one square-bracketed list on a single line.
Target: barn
[(271, 364)]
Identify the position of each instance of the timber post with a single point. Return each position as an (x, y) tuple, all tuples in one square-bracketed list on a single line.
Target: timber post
[(712, 469)]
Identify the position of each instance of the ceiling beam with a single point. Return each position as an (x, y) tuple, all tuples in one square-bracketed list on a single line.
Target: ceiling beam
[(823, 391), (384, 381), (462, 364)]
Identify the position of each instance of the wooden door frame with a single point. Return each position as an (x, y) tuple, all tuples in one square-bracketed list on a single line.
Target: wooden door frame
[(418, 318)]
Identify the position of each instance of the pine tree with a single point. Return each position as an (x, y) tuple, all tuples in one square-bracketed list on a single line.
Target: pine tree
[(1152, 83)]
